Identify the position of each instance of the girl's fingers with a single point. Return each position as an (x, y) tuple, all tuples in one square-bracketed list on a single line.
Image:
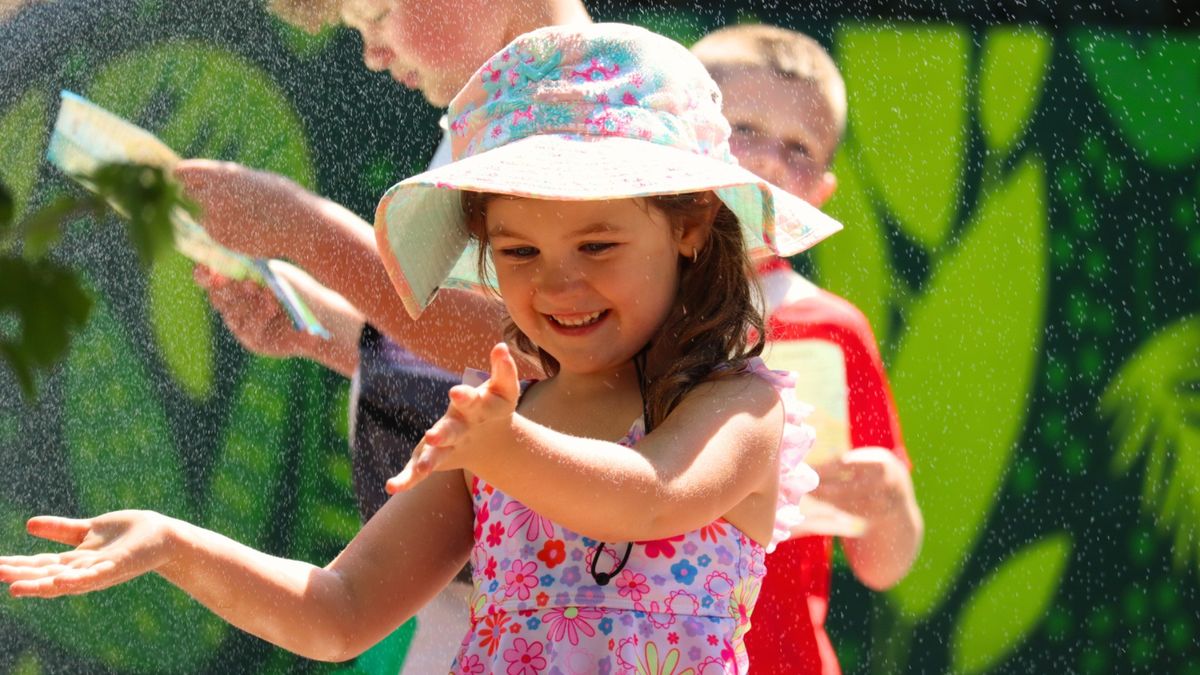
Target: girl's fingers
[(504, 382), (69, 531), (445, 432), (463, 395), (410, 475)]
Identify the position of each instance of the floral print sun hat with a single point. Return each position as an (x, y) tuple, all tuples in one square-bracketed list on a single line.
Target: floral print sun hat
[(603, 111)]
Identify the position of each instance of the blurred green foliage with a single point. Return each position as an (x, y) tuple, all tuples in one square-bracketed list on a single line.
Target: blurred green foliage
[(42, 301)]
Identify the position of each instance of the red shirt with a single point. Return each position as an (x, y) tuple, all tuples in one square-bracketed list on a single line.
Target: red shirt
[(788, 626)]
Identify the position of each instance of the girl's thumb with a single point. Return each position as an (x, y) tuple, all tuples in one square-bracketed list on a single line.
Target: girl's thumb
[(69, 531)]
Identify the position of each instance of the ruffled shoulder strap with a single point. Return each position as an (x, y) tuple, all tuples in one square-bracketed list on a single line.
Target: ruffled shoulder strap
[(796, 477)]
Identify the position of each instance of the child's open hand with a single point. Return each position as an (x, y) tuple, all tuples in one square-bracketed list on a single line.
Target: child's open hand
[(871, 483), (252, 314), (472, 410), (109, 550)]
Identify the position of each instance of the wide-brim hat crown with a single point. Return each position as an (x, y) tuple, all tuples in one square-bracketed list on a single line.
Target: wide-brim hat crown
[(600, 111)]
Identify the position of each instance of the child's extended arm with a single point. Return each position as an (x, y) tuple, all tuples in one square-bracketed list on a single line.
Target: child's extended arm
[(716, 452), (257, 320), (400, 560), (266, 215)]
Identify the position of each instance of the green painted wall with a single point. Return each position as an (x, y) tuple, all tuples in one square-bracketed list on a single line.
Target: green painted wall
[(1021, 201)]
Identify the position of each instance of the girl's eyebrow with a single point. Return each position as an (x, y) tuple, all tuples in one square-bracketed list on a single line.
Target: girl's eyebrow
[(498, 230)]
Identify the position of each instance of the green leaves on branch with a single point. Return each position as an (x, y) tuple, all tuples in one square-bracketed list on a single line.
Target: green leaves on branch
[(42, 304), (147, 197), (42, 301)]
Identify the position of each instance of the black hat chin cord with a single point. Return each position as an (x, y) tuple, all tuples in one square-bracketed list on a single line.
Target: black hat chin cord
[(602, 578)]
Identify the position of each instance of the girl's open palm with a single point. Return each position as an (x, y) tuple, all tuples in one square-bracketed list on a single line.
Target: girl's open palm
[(449, 442), (109, 550)]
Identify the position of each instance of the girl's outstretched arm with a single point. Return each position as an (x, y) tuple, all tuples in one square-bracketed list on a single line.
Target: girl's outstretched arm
[(400, 560), (715, 455)]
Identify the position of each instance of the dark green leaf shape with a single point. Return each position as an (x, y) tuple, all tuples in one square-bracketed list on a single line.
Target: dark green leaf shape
[(23, 137), (1011, 75), (1154, 403), (7, 212), (909, 116), (1009, 604), (855, 263), (1151, 87), (218, 106), (963, 374), (49, 304)]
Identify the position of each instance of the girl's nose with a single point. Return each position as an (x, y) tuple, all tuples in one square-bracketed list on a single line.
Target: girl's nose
[(559, 280)]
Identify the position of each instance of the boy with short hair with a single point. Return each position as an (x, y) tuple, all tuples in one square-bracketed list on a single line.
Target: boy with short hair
[(786, 103)]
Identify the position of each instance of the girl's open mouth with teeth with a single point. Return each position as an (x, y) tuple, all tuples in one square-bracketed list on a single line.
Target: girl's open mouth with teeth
[(572, 322)]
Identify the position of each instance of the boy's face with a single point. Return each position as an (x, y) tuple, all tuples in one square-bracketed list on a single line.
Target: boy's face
[(783, 130), (431, 45)]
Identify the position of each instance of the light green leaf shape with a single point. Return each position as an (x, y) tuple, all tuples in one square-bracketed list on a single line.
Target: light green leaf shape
[(306, 46), (907, 90), (179, 316), (214, 105), (1011, 75), (251, 463), (1151, 87), (116, 433), (1010, 603), (23, 129), (855, 263), (963, 374), (1154, 403)]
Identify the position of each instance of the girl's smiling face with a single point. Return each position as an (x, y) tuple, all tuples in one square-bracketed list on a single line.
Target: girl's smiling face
[(590, 282)]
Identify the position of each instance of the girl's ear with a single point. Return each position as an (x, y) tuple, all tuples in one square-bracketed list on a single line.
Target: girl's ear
[(697, 226)]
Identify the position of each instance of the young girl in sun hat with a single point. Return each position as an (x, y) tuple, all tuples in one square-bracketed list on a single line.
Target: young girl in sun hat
[(616, 513)]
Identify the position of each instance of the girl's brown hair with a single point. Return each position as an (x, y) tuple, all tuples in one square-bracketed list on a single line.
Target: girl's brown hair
[(715, 324)]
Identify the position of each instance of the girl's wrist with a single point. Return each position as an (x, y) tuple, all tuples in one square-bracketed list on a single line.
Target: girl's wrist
[(177, 537)]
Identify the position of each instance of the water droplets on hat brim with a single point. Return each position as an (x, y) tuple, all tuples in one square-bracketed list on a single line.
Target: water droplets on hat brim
[(432, 250)]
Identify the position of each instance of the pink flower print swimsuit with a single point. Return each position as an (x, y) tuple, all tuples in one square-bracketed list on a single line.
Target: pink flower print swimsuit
[(680, 605)]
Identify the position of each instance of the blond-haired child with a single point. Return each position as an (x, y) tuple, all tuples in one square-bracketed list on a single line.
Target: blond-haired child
[(786, 103)]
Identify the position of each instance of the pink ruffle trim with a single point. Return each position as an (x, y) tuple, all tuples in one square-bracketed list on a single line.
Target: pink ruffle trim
[(796, 478)]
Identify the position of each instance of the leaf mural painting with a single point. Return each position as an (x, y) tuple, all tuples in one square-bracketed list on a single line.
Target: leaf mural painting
[(1151, 89), (855, 264), (963, 372), (910, 119), (216, 106), (1154, 403), (1009, 604), (121, 454), (118, 438), (23, 131), (1010, 83)]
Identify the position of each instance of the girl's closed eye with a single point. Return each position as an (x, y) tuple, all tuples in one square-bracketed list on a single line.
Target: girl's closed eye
[(519, 252), (597, 247)]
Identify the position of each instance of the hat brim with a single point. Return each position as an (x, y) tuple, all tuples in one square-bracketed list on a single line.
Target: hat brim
[(422, 235)]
